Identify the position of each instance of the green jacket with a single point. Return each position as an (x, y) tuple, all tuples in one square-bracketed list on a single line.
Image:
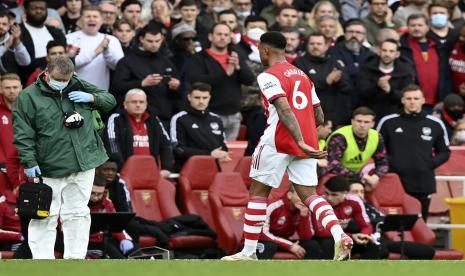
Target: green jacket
[(41, 137)]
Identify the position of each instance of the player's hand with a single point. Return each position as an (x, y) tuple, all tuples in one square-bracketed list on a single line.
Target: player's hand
[(323, 163), (311, 152), (361, 238), (298, 250), (165, 173), (303, 210)]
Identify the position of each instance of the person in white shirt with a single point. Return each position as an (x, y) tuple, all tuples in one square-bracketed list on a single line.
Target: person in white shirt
[(99, 53)]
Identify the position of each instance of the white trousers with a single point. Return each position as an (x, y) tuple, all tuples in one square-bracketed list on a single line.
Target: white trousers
[(69, 202)]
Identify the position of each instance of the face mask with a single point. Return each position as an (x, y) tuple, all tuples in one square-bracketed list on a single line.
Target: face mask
[(57, 85), (460, 136), (255, 34), (218, 9), (242, 14), (439, 20)]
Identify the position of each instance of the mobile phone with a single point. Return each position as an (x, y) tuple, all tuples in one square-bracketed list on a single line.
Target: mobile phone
[(168, 74)]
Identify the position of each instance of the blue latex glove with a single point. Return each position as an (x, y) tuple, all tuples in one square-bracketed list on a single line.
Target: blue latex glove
[(32, 172), (81, 97), (125, 246)]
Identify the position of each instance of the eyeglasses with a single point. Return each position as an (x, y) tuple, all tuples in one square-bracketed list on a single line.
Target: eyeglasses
[(193, 38)]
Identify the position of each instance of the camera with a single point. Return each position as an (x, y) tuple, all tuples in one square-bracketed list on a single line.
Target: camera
[(73, 120)]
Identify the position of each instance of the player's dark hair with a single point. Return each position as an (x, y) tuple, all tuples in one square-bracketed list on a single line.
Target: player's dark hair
[(201, 86), (363, 110), (128, 3), (99, 181), (274, 39), (55, 43), (337, 184)]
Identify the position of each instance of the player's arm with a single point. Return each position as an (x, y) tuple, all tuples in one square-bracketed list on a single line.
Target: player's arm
[(319, 115)]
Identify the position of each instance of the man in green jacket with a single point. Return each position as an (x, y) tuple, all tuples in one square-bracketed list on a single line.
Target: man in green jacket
[(56, 138)]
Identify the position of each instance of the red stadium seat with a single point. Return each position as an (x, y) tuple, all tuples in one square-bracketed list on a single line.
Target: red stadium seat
[(5, 183), (236, 152), (195, 178), (438, 206), (228, 199), (242, 136), (243, 167), (153, 198), (453, 166), (6, 254), (390, 197)]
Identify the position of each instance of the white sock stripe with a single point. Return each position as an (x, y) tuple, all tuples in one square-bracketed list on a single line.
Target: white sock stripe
[(256, 206), (255, 217), (315, 202), (321, 209), (328, 219), (252, 229), (248, 242)]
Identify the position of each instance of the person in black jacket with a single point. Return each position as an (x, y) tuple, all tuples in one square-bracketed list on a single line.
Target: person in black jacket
[(197, 131), (145, 67), (416, 144), (328, 75), (136, 130), (35, 35), (115, 187), (223, 69), (382, 78)]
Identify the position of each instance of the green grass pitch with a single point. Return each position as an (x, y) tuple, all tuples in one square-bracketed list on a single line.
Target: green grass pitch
[(220, 268)]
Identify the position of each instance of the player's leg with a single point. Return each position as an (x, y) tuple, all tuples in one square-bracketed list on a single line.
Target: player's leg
[(302, 173), (267, 171)]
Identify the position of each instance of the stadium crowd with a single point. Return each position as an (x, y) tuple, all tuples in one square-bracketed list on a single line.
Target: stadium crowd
[(390, 76)]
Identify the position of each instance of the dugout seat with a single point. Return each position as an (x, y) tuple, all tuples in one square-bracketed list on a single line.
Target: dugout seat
[(228, 198), (390, 198), (153, 198), (195, 178)]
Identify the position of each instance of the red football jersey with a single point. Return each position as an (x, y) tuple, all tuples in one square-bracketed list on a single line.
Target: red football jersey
[(283, 79)]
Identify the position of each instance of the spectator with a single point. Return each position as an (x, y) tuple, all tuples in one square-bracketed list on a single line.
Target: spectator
[(136, 130), (225, 71), (441, 31), (53, 18), (35, 35), (162, 11), (324, 8), (98, 53), (416, 144), (292, 36), (458, 136), (346, 207), (67, 165), (184, 40), (125, 32), (144, 67), (119, 244), (327, 74), (229, 18), (109, 13), (71, 15), (324, 131), (12, 50), (450, 111), (412, 250), (189, 10), (10, 87), (380, 17), (218, 6), (254, 27), (197, 131), (327, 25), (429, 60), (116, 188), (287, 17), (385, 34), (457, 64), (271, 12), (353, 9), (402, 14), (130, 11), (382, 77), (285, 217), (350, 148), (243, 9), (352, 52), (54, 48)]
